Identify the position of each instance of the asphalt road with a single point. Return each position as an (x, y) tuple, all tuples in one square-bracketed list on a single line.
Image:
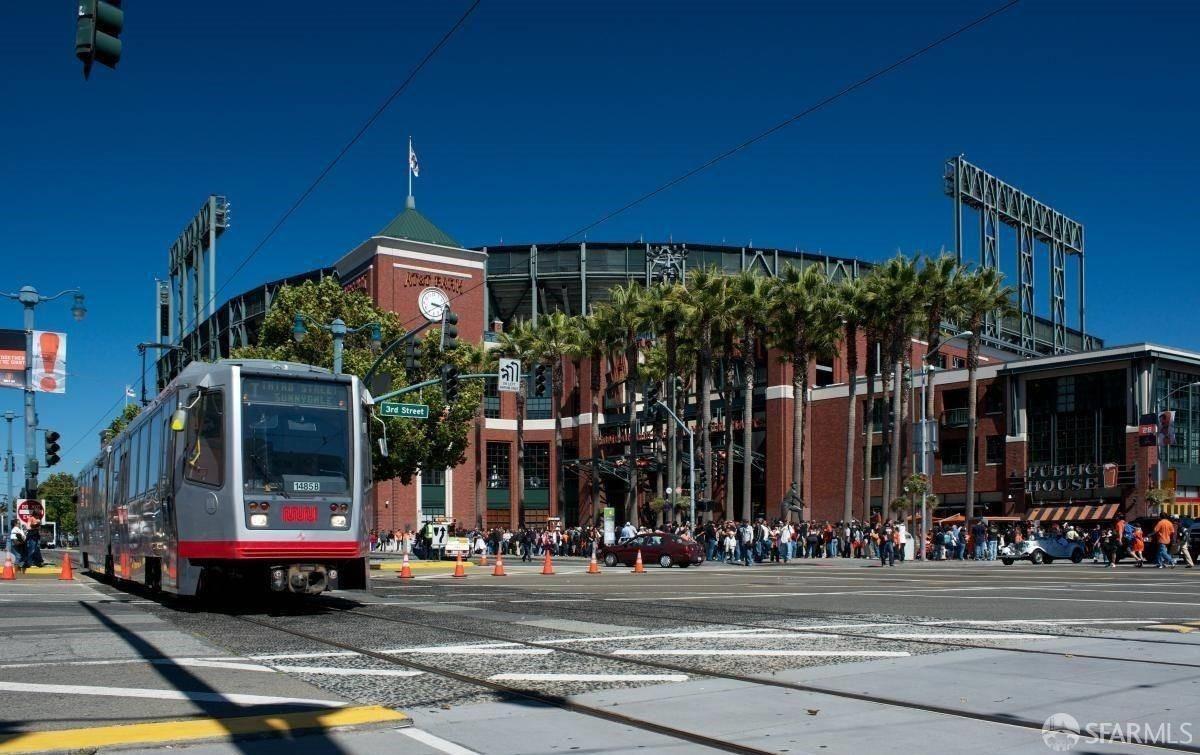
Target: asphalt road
[(716, 647)]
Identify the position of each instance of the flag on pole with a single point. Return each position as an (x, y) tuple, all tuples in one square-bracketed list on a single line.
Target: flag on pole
[(413, 167), (129, 392)]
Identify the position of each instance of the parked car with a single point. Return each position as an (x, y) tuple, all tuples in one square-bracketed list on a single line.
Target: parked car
[(660, 547), (1042, 550)]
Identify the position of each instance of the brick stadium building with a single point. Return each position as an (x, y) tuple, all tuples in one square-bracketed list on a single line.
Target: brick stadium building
[(1048, 425)]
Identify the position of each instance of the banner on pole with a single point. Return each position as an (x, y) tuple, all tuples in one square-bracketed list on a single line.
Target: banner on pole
[(12, 358), (49, 361)]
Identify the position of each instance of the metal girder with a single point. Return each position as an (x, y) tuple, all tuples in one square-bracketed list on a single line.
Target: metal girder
[(1058, 298), (1025, 306)]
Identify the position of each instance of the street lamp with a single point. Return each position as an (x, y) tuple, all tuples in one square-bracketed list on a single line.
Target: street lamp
[(338, 330), (9, 416), (1161, 445), (30, 298), (926, 446)]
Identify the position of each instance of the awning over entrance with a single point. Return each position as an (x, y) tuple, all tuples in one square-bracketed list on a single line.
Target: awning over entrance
[(1078, 513)]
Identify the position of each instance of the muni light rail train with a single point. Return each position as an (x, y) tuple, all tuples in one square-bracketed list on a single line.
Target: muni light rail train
[(242, 474)]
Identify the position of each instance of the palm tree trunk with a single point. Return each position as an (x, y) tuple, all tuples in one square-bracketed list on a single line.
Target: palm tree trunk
[(520, 455), (706, 415), (631, 353), (595, 487), (748, 366), (885, 436), (972, 403), (869, 432), (852, 385), (799, 380), (897, 426), (556, 392), (727, 400)]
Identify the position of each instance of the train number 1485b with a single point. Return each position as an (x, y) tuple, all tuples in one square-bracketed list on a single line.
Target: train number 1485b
[(306, 486)]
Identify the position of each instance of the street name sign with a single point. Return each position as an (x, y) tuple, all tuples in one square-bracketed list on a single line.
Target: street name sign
[(410, 411)]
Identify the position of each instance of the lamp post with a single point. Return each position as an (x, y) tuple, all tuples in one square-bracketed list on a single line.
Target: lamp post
[(1162, 446), (691, 467), (338, 330), (30, 298), (142, 347), (926, 446)]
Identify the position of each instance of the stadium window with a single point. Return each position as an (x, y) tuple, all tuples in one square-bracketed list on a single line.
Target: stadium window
[(537, 407), (954, 456), (824, 375), (498, 464), (537, 465), (995, 449), (491, 398), (205, 459)]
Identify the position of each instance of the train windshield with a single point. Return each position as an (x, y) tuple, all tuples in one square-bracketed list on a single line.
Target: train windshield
[(295, 436)]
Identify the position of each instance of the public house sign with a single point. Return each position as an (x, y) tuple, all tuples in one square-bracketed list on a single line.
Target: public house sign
[(1053, 478)]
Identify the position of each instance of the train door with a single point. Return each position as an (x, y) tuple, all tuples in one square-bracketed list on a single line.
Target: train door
[(168, 483)]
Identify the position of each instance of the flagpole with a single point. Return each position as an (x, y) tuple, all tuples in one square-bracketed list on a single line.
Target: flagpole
[(410, 202)]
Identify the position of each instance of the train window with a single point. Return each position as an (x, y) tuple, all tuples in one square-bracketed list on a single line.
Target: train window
[(205, 459), (154, 445), (295, 436), (137, 455)]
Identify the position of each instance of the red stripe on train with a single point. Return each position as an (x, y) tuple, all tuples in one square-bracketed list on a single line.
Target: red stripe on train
[(237, 549)]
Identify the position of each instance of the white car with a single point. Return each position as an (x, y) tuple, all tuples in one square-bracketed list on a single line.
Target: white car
[(1042, 550)]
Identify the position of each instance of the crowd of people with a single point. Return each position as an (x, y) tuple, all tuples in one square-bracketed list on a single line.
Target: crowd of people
[(746, 542), (24, 543)]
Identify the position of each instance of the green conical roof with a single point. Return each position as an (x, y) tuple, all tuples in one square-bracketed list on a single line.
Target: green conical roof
[(414, 226)]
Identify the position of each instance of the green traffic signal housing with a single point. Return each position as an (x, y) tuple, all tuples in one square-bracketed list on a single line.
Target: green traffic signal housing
[(412, 356), (97, 33), (539, 380), (450, 382), (52, 448), (449, 330)]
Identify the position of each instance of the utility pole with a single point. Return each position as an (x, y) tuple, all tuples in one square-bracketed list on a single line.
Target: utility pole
[(30, 298), (9, 464)]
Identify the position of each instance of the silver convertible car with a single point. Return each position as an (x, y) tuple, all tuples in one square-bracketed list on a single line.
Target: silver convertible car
[(1042, 550)]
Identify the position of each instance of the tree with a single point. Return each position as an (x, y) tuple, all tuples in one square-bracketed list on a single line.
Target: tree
[(708, 296), (552, 343), (121, 421), (749, 304), (852, 298), (627, 318), (439, 442), (594, 341), (979, 293), (668, 309), (58, 491), (900, 300), (940, 291), (517, 342), (801, 326)]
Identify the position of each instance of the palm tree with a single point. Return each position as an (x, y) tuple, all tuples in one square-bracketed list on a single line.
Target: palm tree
[(749, 304), (979, 293), (552, 343), (900, 294), (593, 340), (799, 307), (706, 289), (517, 342), (667, 311), (874, 322), (626, 315), (853, 302)]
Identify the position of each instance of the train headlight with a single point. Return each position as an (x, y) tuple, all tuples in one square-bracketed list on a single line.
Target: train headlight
[(258, 520), (337, 520)]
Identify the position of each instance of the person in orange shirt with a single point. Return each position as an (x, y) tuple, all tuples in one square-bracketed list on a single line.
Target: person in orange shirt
[(1164, 533), (1139, 545)]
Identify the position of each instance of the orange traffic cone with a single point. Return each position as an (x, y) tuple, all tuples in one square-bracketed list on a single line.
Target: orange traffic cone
[(593, 567), (499, 570), (66, 573), (9, 571), (638, 567), (458, 566), (547, 564), (405, 569), (483, 558)]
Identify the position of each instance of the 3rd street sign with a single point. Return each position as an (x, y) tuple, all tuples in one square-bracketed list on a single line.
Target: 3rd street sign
[(411, 411)]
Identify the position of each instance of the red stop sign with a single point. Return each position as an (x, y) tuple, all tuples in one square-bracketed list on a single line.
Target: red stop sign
[(30, 509)]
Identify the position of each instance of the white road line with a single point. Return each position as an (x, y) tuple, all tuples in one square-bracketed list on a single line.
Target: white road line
[(910, 594), (497, 649), (552, 600), (1057, 622), (164, 694), (330, 671), (779, 653), (732, 634), (589, 677), (962, 636), (436, 742), (297, 656)]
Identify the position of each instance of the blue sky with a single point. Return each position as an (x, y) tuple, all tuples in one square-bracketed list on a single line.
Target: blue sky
[(540, 117)]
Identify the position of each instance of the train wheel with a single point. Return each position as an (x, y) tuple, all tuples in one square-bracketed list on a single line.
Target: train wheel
[(109, 571)]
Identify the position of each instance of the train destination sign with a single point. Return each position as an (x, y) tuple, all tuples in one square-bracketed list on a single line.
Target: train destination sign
[(410, 411)]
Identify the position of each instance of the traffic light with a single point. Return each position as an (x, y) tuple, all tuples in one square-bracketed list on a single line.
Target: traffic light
[(701, 478), (412, 356), (449, 330), (52, 448), (450, 383), (539, 380), (651, 413), (97, 32)]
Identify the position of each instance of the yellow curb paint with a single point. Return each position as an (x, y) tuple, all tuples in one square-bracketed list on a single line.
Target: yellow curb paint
[(420, 566), (162, 732), (1176, 628)]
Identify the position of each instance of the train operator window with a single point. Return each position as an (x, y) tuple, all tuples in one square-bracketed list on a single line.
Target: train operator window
[(206, 441), (295, 437)]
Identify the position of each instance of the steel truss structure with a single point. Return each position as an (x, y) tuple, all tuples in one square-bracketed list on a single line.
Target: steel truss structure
[(1034, 222)]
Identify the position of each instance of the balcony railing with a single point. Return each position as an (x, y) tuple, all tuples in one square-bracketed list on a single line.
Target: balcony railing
[(954, 468), (955, 417)]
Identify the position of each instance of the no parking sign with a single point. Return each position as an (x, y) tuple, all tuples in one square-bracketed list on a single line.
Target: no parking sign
[(29, 509)]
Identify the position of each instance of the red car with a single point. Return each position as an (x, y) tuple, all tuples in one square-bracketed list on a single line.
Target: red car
[(660, 547)]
